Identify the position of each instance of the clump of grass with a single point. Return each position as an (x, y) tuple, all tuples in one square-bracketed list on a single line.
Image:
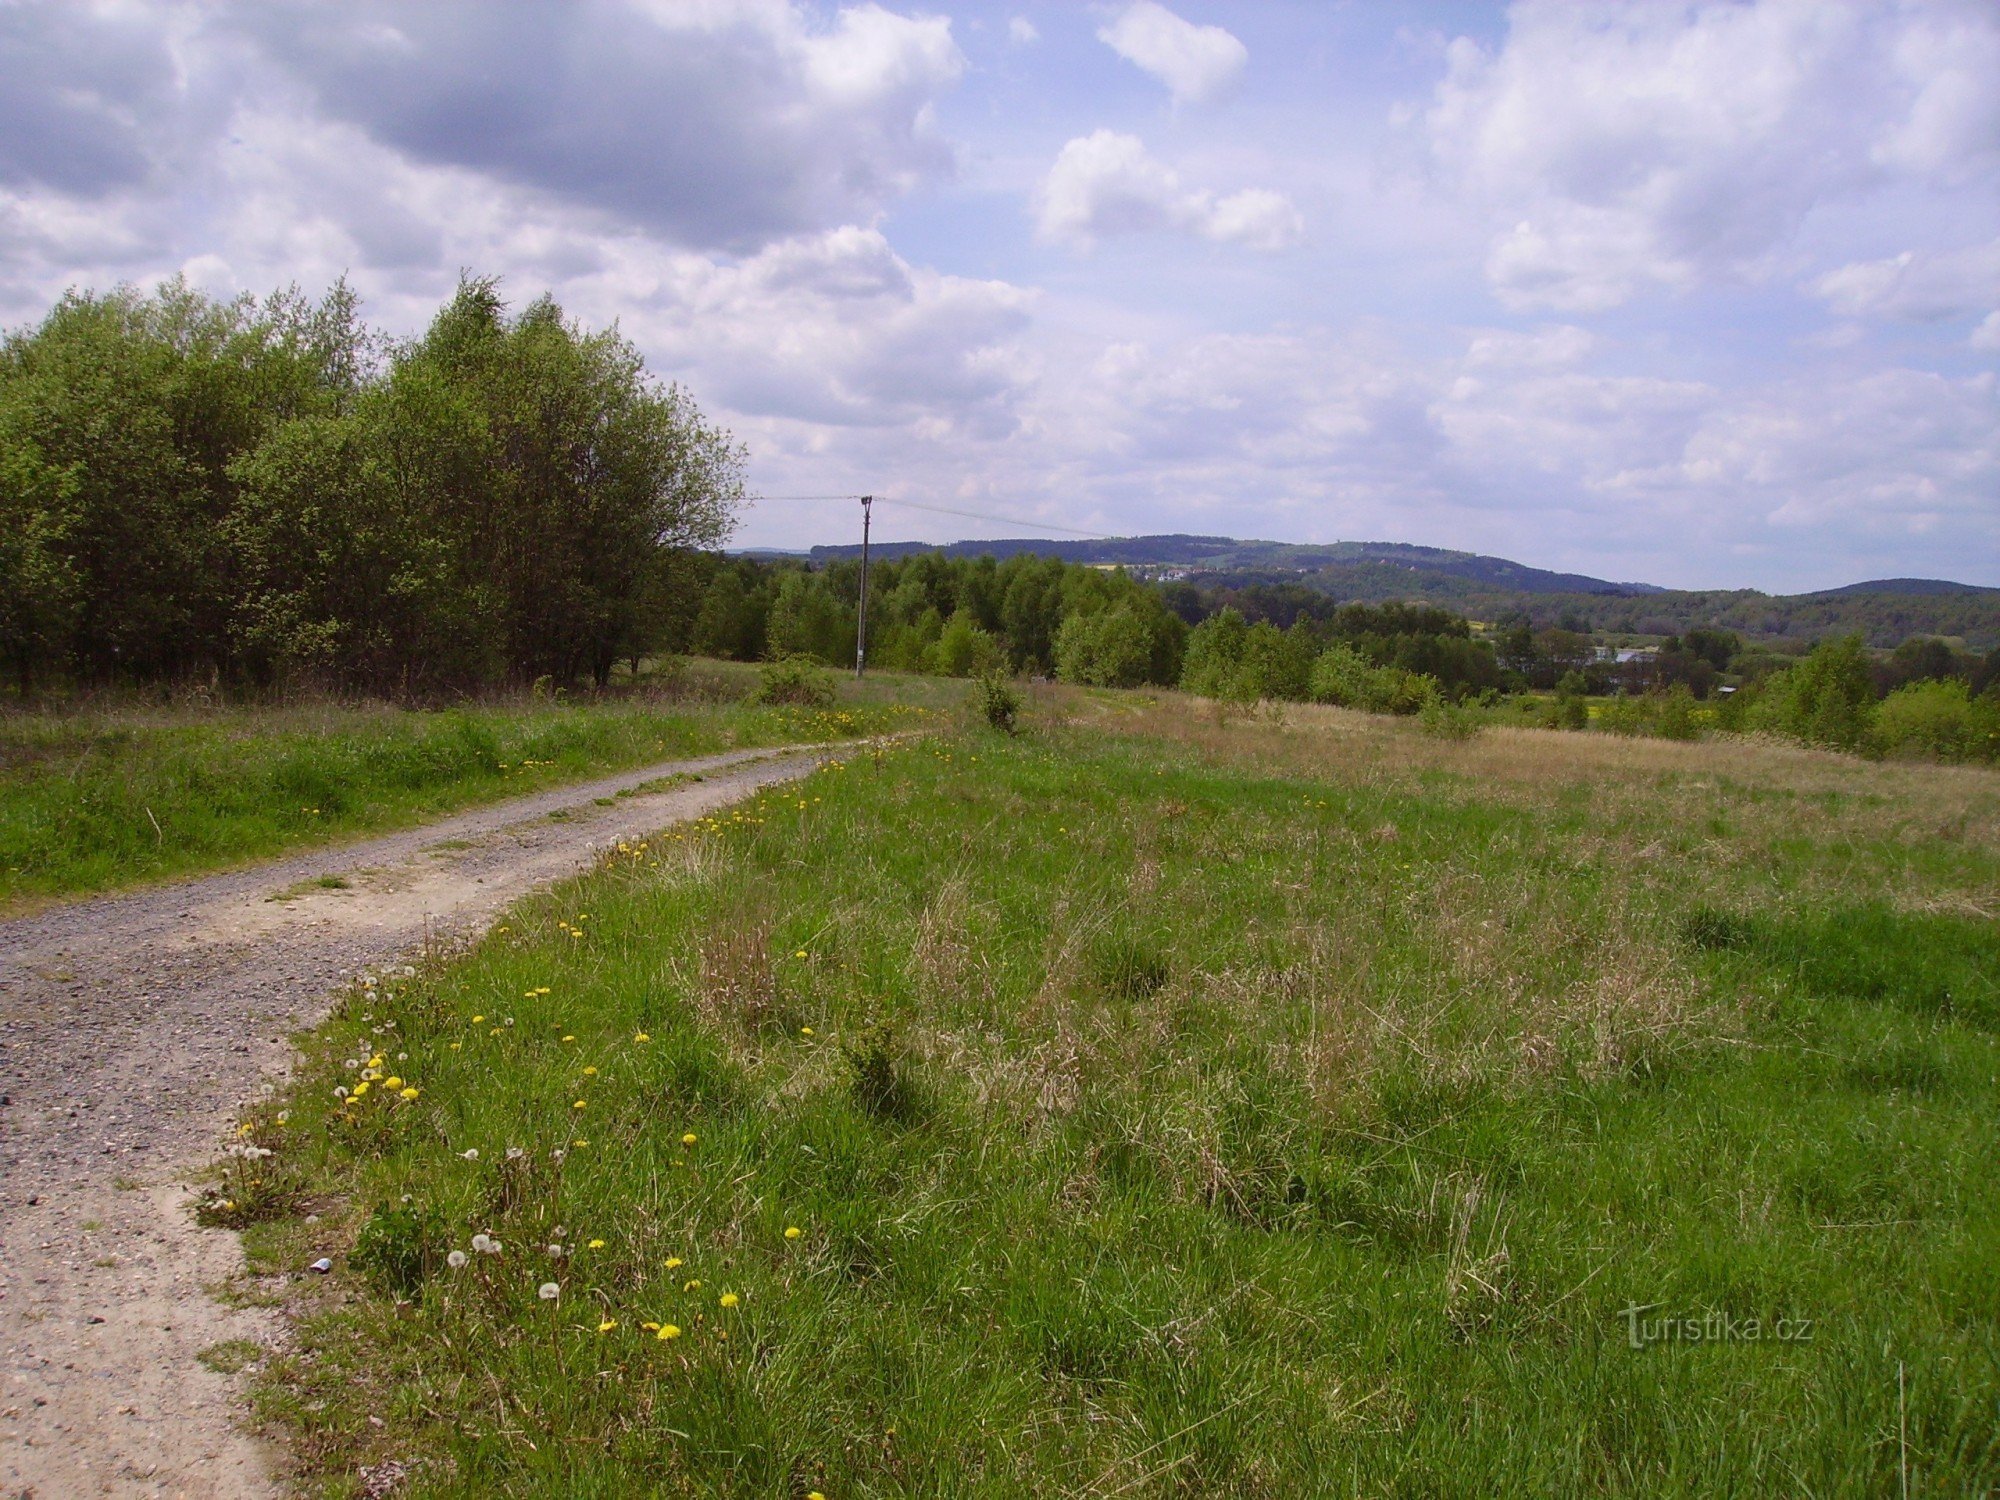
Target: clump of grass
[(231, 1356), (878, 1077), (400, 1248), (255, 1189)]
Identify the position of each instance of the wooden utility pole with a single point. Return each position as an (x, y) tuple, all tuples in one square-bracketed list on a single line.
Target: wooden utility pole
[(861, 618)]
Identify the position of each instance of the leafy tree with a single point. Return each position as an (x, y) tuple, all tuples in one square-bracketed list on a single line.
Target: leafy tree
[(1826, 699)]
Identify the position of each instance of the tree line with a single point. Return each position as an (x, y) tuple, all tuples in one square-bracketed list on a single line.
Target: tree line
[(256, 491)]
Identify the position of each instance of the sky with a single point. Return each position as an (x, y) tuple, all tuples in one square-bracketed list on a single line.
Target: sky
[(1702, 295)]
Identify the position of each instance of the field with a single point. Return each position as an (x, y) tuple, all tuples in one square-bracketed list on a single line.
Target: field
[(1177, 1101), (99, 797)]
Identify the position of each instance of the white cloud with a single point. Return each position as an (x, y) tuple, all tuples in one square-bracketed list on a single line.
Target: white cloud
[(1638, 145), (1022, 32), (1917, 287), (1987, 335), (1196, 63), (720, 124), (1107, 183), (833, 328), (1555, 347)]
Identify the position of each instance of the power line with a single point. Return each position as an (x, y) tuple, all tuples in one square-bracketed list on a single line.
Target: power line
[(973, 515), (945, 510)]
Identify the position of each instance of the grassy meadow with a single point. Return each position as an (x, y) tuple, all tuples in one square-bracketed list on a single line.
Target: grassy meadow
[(97, 797), (1173, 1101)]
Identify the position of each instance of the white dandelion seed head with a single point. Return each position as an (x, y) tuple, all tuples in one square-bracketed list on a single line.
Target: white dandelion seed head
[(457, 1259), (471, 1155), (548, 1291)]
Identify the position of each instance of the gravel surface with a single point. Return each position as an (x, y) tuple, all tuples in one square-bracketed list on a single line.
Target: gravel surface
[(133, 1027)]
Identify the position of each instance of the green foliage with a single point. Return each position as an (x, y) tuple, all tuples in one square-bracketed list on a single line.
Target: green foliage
[(1115, 647), (964, 648), (1571, 709), (1940, 719), (795, 680), (999, 702), (247, 491), (1443, 720), (1343, 677), (1826, 699), (1668, 714), (400, 1248)]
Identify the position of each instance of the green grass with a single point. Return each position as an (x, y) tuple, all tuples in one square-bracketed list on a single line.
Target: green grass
[(96, 799), (1276, 1106)]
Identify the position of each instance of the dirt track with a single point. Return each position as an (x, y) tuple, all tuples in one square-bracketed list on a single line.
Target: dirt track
[(131, 1028)]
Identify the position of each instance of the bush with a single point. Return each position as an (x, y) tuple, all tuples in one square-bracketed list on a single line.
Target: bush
[(998, 701), (1448, 721), (1343, 677), (1940, 719), (795, 679), (1668, 716), (1826, 699)]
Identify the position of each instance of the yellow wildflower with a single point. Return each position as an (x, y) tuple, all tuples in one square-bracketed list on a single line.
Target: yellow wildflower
[(792, 1231), (607, 1325), (668, 1331), (689, 1139), (640, 1037), (673, 1262), (409, 1093), (727, 1299), (578, 1105)]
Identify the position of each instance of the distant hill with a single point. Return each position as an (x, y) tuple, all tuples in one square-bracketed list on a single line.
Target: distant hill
[(1901, 586), (1227, 554), (1886, 611)]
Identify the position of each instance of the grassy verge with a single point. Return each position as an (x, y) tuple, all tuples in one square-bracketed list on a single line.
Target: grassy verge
[(94, 800), (1164, 1102)]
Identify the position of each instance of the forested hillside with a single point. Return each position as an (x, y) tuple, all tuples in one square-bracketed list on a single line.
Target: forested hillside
[(1884, 612)]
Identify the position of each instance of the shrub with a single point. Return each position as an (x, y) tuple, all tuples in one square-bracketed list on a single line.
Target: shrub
[(1448, 721), (1826, 699), (999, 702), (1941, 719), (795, 679), (1343, 677)]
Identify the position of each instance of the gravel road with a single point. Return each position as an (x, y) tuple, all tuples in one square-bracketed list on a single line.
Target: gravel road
[(131, 1029)]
